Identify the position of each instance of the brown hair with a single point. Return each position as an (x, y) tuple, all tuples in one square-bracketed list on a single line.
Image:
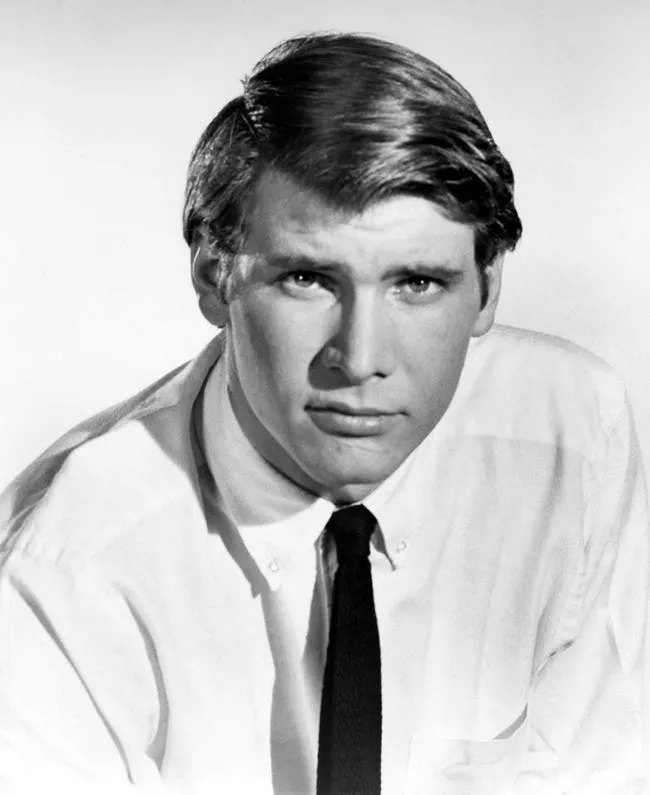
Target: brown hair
[(356, 119)]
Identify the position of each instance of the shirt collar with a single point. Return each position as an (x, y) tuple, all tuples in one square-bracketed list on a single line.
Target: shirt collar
[(397, 505), (277, 520)]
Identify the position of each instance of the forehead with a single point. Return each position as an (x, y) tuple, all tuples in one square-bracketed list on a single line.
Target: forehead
[(286, 219)]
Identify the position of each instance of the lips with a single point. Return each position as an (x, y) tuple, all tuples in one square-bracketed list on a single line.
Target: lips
[(341, 419), (346, 408)]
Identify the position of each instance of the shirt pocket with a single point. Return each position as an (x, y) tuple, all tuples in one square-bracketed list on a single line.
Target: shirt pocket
[(476, 766)]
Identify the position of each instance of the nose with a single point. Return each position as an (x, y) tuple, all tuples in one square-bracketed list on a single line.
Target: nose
[(362, 347)]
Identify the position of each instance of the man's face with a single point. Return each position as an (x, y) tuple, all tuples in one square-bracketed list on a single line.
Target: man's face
[(347, 333)]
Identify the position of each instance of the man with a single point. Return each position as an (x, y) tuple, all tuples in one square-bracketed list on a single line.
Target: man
[(174, 597)]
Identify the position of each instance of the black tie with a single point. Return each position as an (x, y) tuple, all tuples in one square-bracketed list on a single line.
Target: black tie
[(349, 741)]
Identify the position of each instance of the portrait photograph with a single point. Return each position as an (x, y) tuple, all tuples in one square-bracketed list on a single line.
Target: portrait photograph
[(326, 421)]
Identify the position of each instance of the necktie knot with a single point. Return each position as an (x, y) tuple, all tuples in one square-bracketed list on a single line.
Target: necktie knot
[(351, 529)]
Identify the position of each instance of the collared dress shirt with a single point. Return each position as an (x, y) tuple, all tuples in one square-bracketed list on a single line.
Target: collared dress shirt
[(164, 595)]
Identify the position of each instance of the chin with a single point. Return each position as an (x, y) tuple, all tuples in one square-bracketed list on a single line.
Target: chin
[(347, 483), (347, 467)]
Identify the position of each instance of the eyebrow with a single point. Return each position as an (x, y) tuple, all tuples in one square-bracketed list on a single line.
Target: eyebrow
[(438, 270)]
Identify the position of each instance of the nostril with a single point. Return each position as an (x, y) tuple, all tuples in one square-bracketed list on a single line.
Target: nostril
[(332, 356)]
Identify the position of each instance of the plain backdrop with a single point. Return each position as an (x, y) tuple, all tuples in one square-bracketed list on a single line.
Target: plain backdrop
[(102, 102)]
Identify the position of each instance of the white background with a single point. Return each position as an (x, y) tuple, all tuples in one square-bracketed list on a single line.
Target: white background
[(102, 102)]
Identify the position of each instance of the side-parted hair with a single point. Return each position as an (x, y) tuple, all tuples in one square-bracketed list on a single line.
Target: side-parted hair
[(356, 119)]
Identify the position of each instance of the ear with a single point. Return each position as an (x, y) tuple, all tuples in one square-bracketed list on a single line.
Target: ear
[(492, 275), (205, 273)]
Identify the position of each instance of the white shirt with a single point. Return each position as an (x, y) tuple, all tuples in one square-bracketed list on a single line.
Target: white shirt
[(163, 611)]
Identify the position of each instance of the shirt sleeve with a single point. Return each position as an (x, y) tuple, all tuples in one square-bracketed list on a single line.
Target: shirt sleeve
[(77, 694), (587, 701)]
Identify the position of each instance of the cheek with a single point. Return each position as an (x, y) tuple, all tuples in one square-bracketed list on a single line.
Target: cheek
[(435, 366), (272, 360)]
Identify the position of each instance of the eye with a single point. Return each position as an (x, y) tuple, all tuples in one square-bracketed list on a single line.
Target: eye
[(301, 279), (418, 286), (303, 284)]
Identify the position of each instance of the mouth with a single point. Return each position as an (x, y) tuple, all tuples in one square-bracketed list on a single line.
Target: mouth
[(341, 419)]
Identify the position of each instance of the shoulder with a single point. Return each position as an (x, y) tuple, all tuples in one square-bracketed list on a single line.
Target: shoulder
[(105, 476), (547, 360), (526, 385)]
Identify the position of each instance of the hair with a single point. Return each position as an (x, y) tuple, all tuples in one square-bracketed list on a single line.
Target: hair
[(357, 120)]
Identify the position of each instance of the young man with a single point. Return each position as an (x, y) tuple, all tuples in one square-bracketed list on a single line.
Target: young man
[(185, 604)]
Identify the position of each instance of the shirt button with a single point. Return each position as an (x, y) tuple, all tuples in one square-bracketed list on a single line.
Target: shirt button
[(274, 566), (401, 547)]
